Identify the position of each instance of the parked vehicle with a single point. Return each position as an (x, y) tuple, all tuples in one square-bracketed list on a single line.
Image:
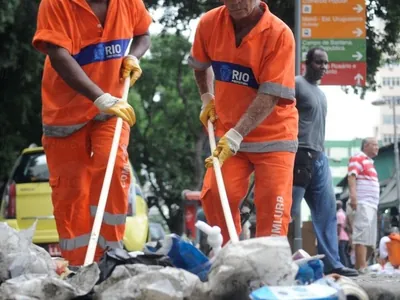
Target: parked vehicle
[(27, 198)]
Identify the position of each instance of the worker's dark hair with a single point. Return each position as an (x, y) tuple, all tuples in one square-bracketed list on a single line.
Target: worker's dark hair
[(310, 54)]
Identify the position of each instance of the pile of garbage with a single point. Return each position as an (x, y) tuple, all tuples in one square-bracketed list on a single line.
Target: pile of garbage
[(174, 269)]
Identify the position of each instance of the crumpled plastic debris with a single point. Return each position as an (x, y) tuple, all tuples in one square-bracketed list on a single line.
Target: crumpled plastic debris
[(239, 268), (39, 286), (18, 256), (114, 257), (141, 282)]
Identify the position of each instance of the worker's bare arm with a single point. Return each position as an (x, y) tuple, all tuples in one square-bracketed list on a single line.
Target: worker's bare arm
[(205, 80), (72, 73), (257, 112), (140, 45)]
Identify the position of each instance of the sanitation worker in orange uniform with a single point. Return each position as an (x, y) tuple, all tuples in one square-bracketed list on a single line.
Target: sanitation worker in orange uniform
[(91, 46), (248, 54)]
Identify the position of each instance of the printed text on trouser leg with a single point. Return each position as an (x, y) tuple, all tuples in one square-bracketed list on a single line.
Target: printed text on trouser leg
[(278, 217)]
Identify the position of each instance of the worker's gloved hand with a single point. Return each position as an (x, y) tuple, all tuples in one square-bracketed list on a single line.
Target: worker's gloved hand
[(115, 106), (130, 68), (207, 109), (227, 146)]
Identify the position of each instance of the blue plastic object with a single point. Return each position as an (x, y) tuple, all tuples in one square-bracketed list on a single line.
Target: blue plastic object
[(318, 267), (313, 291), (185, 256), (310, 272)]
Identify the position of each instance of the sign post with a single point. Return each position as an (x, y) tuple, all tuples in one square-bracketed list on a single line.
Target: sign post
[(339, 28)]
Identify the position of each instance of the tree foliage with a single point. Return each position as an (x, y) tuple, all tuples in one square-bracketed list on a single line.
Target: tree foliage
[(20, 74)]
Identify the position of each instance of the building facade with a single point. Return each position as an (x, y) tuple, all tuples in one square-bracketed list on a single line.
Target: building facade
[(388, 78)]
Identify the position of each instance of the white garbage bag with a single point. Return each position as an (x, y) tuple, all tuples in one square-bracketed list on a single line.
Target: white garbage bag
[(239, 268), (142, 282), (39, 286), (123, 272), (18, 256)]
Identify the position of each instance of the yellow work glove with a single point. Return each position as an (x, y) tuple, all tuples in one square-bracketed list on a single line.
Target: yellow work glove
[(115, 106), (130, 68), (227, 146), (207, 109)]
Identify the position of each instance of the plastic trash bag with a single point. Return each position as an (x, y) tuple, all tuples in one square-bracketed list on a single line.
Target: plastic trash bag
[(18, 256), (141, 282), (114, 257), (39, 286), (242, 267)]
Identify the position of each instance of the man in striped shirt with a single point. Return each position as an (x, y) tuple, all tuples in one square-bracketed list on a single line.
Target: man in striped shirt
[(364, 199)]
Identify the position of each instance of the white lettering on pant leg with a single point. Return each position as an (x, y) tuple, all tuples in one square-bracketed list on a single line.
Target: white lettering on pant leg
[(125, 175), (278, 217)]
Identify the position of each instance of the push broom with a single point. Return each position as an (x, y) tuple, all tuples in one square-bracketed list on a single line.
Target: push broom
[(94, 236), (221, 187)]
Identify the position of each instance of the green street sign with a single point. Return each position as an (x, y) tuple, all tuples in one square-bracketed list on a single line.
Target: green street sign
[(344, 50)]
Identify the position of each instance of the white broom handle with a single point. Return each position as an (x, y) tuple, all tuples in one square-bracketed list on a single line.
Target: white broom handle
[(94, 236), (221, 188)]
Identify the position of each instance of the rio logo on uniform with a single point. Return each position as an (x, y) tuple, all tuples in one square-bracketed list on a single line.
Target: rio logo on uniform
[(234, 73), (112, 50), (102, 52)]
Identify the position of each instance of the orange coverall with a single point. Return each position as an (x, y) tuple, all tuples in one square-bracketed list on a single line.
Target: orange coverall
[(77, 138), (263, 63)]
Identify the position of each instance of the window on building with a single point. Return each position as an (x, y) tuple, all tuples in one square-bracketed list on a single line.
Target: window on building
[(389, 139), (386, 139), (387, 119), (391, 81)]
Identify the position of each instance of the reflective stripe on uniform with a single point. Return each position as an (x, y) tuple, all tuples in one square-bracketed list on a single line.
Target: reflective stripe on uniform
[(197, 64), (61, 131), (108, 218), (83, 240), (271, 146), (74, 243), (277, 90), (66, 130), (102, 117)]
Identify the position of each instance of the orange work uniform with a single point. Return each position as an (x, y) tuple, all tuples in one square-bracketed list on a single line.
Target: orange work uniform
[(77, 138), (262, 63)]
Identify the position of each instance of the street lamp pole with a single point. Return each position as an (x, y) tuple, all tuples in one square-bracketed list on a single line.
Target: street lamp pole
[(297, 232)]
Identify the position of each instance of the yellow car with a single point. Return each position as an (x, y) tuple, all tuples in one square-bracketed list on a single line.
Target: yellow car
[(27, 198)]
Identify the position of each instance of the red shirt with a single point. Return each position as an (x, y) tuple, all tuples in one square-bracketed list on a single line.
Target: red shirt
[(367, 181)]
